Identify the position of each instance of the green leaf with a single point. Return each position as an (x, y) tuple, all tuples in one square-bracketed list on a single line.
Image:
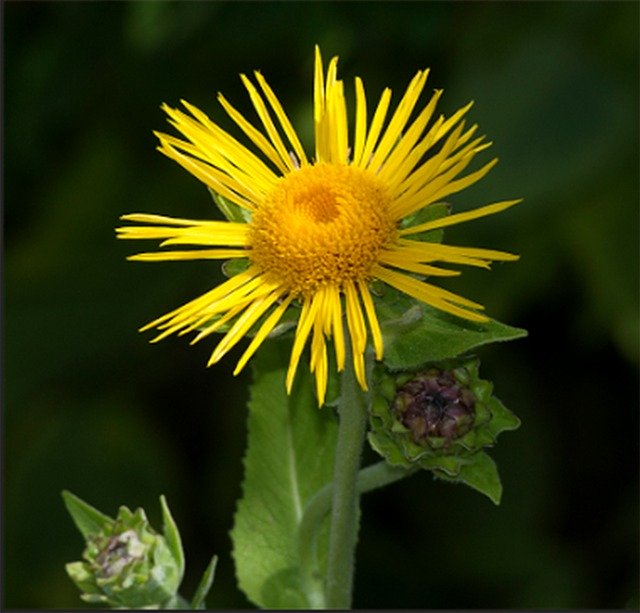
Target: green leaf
[(415, 335), (291, 446), (205, 584), (480, 472), (86, 518), (230, 210), (172, 536)]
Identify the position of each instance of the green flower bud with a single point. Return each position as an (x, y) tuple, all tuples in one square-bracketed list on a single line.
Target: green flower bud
[(126, 563)]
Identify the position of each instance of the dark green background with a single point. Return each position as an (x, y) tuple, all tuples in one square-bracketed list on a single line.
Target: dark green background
[(90, 406)]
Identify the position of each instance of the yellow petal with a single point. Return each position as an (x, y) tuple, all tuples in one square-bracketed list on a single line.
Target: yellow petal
[(187, 310), (376, 334), (376, 127), (254, 134), (262, 333), (307, 318), (401, 161), (334, 306), (399, 120), (430, 294), (196, 254), (243, 325), (267, 122), (282, 118), (319, 362), (358, 333), (449, 220), (399, 259), (361, 123)]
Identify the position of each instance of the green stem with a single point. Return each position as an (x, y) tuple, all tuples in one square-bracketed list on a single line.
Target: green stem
[(369, 478), (343, 532)]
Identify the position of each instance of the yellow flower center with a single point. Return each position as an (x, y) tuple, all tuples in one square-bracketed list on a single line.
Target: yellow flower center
[(321, 225)]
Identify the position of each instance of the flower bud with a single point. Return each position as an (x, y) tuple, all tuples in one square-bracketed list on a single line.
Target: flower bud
[(437, 417), (126, 563), (434, 405)]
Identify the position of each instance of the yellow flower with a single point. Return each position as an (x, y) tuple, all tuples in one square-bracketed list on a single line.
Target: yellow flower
[(317, 231)]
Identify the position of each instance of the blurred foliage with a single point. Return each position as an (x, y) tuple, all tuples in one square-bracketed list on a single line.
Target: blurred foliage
[(90, 406)]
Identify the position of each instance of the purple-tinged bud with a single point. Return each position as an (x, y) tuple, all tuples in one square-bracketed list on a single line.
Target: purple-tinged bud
[(435, 404), (438, 417)]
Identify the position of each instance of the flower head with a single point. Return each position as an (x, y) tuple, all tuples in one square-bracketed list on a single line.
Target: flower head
[(316, 232)]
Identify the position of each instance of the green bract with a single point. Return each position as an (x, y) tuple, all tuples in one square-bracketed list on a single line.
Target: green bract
[(440, 419), (230, 210)]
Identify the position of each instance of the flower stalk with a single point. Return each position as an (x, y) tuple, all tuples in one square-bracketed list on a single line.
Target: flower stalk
[(369, 478), (343, 534)]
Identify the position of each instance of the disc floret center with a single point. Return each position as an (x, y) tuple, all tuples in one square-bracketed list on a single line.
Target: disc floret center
[(321, 225)]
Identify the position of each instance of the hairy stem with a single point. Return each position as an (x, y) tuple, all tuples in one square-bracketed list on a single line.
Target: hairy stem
[(369, 478), (343, 533)]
